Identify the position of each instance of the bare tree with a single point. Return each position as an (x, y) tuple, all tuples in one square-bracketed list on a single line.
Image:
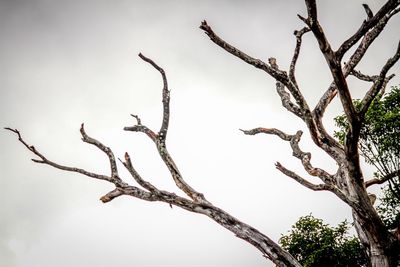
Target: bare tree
[(347, 183)]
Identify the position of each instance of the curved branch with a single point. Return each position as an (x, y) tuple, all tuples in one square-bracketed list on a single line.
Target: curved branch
[(159, 141), (162, 133), (128, 165), (297, 152), (302, 181), (105, 149), (383, 179), (267, 246), (333, 63), (368, 24), (299, 35), (272, 69), (355, 58), (380, 82), (44, 160)]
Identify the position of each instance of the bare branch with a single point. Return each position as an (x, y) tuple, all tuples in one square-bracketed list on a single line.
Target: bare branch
[(111, 195), (302, 181), (159, 141), (143, 129), (371, 22), (297, 152), (333, 62), (298, 35), (286, 102), (363, 77), (368, 11), (162, 133), (380, 82), (382, 179), (128, 165), (273, 131), (275, 73), (138, 121), (365, 43), (272, 69), (46, 161), (105, 149)]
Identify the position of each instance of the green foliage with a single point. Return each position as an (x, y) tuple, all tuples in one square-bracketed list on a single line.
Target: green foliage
[(380, 146), (389, 208), (379, 133), (314, 243)]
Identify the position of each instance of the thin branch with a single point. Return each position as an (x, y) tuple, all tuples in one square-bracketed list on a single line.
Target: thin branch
[(105, 149), (143, 129), (297, 152), (292, 68), (302, 181), (138, 121), (128, 165), (368, 11), (363, 77), (382, 179), (275, 73), (380, 82), (367, 25), (274, 131), (159, 141), (44, 160), (162, 133), (272, 69)]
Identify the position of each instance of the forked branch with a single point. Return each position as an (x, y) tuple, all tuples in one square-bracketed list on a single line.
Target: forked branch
[(197, 203), (159, 140)]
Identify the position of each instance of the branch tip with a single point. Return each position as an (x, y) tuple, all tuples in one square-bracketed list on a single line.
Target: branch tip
[(138, 120)]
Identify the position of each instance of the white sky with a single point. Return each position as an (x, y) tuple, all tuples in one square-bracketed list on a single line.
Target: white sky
[(67, 62)]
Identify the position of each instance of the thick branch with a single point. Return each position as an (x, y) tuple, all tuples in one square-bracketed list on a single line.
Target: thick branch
[(286, 102), (333, 63), (355, 58)]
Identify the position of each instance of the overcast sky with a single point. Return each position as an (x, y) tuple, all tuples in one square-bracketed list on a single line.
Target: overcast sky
[(67, 62)]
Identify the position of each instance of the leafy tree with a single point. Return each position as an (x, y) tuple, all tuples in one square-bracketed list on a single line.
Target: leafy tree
[(347, 183), (316, 244), (389, 208), (379, 145), (379, 136)]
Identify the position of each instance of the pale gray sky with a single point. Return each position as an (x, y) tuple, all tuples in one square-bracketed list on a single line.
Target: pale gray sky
[(67, 62)]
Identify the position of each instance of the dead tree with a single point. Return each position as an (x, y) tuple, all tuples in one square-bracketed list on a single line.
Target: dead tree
[(347, 183)]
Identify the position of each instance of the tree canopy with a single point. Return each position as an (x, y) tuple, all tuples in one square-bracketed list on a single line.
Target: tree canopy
[(379, 145), (316, 244)]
